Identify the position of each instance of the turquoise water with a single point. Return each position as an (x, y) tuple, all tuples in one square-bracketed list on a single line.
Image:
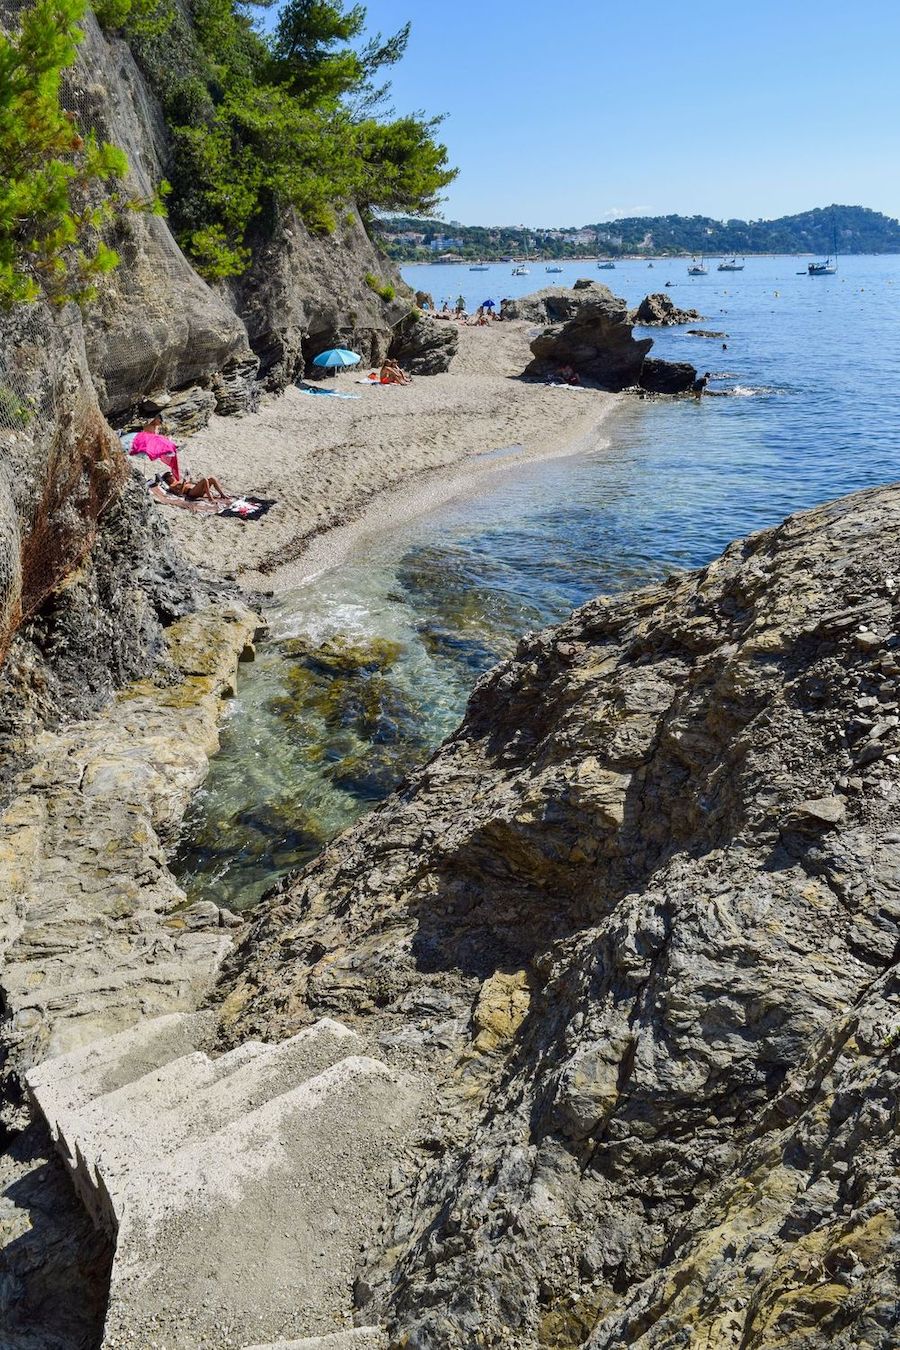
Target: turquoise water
[(369, 666)]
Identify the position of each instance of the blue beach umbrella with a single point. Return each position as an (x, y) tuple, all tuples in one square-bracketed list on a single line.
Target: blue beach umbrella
[(488, 304), (336, 356)]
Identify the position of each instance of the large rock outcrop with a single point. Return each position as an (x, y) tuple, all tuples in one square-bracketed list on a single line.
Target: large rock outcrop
[(425, 346), (638, 923), (304, 293), (660, 311), (598, 342), (555, 304), (159, 337)]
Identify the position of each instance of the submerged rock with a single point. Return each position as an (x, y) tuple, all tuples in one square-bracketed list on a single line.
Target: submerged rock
[(637, 925)]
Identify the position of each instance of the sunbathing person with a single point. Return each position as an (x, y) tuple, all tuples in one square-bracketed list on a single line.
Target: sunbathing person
[(150, 441), (392, 374), (193, 491)]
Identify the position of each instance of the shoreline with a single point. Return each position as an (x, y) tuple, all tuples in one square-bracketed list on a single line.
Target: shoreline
[(394, 452), (419, 496)]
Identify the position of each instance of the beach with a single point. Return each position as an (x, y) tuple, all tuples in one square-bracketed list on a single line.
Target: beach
[(391, 451)]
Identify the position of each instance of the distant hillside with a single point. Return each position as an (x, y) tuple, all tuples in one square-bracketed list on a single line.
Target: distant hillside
[(858, 230)]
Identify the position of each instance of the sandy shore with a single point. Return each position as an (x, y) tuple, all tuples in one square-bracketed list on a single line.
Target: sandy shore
[(392, 451)]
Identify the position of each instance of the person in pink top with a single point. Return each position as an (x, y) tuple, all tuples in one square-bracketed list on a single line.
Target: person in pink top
[(151, 443)]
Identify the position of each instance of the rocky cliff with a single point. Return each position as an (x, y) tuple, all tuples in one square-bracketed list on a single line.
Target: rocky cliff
[(88, 574), (636, 925), (85, 564), (160, 337)]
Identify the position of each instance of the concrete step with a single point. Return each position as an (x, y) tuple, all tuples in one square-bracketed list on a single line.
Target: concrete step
[(69, 1081), (354, 1338), (254, 1232)]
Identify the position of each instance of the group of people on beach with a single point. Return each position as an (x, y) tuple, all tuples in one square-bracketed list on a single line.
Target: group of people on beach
[(486, 312)]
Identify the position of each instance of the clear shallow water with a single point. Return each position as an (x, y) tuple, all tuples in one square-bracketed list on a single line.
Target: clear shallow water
[(369, 666)]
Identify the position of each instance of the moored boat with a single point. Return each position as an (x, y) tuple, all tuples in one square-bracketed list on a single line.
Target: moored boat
[(828, 266), (479, 267), (607, 266), (698, 269), (520, 271), (730, 265), (552, 269)]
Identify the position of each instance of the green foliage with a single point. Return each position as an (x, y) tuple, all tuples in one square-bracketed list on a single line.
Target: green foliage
[(385, 290), (57, 187), (258, 122), (145, 17)]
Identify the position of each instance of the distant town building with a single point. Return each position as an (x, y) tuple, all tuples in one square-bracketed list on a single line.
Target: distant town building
[(441, 242)]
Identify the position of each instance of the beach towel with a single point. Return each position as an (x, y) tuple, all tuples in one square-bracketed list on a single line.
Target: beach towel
[(238, 508), (329, 393), (247, 508), (156, 447)]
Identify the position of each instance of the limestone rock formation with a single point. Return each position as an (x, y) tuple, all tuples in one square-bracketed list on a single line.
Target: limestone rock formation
[(598, 342), (555, 304), (156, 326), (91, 929), (305, 293), (425, 346), (637, 922), (159, 336)]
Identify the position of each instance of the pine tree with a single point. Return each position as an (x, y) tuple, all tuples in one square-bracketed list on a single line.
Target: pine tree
[(56, 184)]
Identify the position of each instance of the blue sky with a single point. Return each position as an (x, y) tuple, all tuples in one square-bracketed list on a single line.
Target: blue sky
[(573, 113)]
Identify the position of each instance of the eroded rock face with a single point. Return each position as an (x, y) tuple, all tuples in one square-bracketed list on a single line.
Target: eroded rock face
[(425, 346), (598, 342), (88, 572), (638, 922), (555, 304), (156, 325), (305, 293)]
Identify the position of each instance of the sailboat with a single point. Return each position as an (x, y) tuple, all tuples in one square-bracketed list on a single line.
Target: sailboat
[(730, 265), (828, 266), (552, 269), (697, 269)]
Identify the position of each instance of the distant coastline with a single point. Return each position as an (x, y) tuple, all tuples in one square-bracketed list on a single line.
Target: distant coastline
[(824, 230), (646, 257)]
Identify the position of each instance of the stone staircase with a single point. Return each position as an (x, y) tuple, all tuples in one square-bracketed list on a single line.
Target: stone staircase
[(240, 1190)]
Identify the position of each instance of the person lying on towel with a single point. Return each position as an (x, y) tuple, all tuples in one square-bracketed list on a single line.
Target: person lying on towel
[(194, 491), (150, 442)]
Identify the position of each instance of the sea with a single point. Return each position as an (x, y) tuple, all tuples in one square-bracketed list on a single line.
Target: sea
[(369, 665)]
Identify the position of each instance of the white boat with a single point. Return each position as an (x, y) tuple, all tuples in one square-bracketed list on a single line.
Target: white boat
[(479, 267), (520, 271), (730, 265), (697, 269), (608, 266), (828, 266), (552, 269)]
